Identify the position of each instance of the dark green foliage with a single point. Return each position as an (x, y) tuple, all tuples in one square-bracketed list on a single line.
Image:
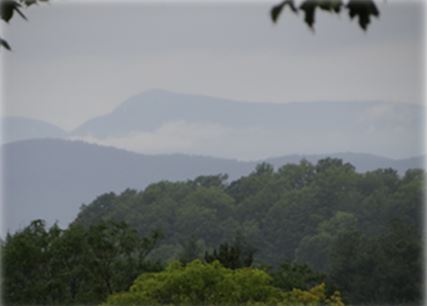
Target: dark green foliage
[(53, 266), (191, 250), (8, 8), (298, 213), (362, 9), (235, 256), (291, 275), (379, 270), (361, 231), (211, 180), (28, 271)]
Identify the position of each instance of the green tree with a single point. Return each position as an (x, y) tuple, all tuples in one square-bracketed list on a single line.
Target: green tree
[(29, 276), (198, 284), (379, 270), (296, 276), (191, 250), (234, 256), (201, 283), (77, 265), (315, 250)]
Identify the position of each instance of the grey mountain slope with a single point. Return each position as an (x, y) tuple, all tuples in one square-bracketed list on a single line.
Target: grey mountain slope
[(20, 128), (50, 179), (151, 109)]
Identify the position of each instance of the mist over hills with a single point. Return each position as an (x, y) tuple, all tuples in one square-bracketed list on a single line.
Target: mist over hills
[(51, 179), (151, 109), (137, 144), (163, 122), (159, 121)]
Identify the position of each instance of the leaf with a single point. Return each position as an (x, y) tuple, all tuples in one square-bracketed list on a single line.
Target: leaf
[(5, 44), (363, 10), (331, 5), (277, 9), (309, 8), (8, 7)]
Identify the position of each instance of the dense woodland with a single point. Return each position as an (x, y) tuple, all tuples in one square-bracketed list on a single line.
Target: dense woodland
[(304, 233)]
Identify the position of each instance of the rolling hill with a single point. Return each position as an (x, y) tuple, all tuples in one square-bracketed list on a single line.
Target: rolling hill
[(51, 179)]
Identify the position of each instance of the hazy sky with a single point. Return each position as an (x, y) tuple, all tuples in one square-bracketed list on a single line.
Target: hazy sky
[(73, 61)]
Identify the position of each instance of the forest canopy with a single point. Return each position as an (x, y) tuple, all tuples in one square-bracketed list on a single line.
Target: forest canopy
[(303, 224)]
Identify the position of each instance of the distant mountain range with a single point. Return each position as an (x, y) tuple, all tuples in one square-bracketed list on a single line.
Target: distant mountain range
[(160, 121), (151, 109), (46, 177), (50, 179)]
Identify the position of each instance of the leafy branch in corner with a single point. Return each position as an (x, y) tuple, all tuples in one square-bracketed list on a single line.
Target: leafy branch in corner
[(362, 9), (7, 10)]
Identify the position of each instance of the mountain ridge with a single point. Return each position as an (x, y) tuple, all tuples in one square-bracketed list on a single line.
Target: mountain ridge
[(148, 110), (52, 178)]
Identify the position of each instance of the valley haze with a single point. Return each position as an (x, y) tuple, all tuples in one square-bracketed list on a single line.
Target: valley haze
[(49, 173), (165, 122), (137, 133)]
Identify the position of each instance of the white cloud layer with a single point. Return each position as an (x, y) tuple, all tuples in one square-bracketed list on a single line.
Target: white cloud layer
[(252, 143)]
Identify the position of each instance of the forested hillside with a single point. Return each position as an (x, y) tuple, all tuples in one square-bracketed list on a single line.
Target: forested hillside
[(303, 224), (326, 215)]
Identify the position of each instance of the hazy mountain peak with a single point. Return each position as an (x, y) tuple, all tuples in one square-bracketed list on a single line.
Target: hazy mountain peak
[(162, 121), (16, 128)]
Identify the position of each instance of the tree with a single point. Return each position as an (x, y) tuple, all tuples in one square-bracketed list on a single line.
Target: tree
[(314, 296), (296, 276), (201, 283), (315, 250), (234, 256), (198, 283), (191, 250), (29, 275), (379, 270), (78, 265)]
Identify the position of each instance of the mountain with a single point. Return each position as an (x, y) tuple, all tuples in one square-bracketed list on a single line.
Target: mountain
[(20, 128), (151, 109), (159, 121), (51, 179)]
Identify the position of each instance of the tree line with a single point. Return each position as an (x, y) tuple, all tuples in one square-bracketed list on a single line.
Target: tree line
[(319, 230)]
